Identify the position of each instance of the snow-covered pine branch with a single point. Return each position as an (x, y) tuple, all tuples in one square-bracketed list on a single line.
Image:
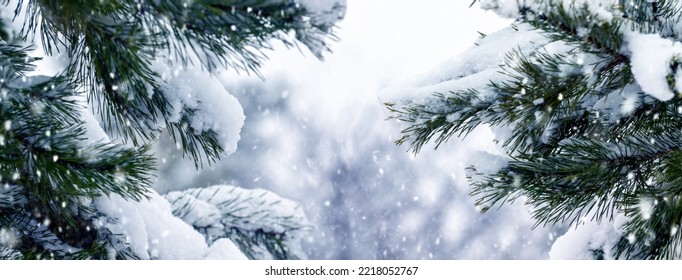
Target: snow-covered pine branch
[(76, 170), (260, 222), (584, 98)]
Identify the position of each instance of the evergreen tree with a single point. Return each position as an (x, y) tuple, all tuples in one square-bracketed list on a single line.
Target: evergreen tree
[(585, 99), (78, 185)]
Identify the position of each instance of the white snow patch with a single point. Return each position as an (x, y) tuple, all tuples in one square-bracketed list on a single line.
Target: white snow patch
[(224, 249), (218, 209), (151, 229), (247, 209), (486, 162), (504, 8), (216, 110), (475, 68), (488, 53), (602, 9), (94, 133), (586, 240), (651, 56)]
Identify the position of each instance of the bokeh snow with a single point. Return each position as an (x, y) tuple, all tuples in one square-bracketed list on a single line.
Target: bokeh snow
[(315, 132)]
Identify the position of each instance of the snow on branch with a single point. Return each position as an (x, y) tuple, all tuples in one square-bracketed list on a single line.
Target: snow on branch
[(262, 223)]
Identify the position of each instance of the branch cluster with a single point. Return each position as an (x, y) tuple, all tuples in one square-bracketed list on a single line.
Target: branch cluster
[(587, 139)]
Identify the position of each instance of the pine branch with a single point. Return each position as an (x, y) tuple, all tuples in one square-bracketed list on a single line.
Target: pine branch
[(112, 43), (253, 219), (42, 149), (587, 141)]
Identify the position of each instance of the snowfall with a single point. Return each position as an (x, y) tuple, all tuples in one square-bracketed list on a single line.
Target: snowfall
[(316, 134)]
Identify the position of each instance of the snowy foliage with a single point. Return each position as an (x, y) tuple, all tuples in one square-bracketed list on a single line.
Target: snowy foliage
[(148, 230), (584, 99), (314, 133), (207, 106), (75, 167), (260, 222)]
